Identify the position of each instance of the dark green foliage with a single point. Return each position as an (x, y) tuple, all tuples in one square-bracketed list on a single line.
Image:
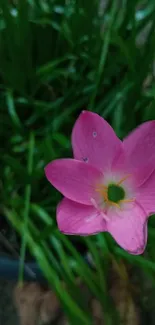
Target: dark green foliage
[(58, 57)]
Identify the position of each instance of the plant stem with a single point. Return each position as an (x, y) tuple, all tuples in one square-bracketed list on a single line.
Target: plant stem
[(26, 210)]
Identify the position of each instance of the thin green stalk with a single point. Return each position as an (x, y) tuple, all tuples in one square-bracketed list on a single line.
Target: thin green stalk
[(102, 280), (70, 306), (138, 260), (26, 210), (104, 53)]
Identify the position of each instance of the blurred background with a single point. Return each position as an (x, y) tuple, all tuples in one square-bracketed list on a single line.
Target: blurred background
[(58, 57)]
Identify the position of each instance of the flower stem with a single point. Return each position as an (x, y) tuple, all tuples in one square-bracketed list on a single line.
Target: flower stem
[(26, 210)]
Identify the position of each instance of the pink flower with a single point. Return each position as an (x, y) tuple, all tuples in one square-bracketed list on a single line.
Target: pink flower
[(109, 185)]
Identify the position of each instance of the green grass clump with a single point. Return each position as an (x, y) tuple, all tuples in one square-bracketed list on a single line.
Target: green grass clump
[(58, 57)]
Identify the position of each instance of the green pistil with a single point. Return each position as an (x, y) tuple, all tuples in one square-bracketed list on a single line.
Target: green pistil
[(115, 193)]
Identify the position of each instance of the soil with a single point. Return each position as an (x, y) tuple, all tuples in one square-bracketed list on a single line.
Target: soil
[(8, 315)]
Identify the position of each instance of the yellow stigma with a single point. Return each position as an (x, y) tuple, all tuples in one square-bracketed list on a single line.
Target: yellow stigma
[(123, 179)]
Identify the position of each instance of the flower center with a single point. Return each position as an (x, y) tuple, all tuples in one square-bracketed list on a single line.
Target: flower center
[(115, 193)]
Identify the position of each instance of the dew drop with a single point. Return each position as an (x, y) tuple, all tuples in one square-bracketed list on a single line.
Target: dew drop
[(94, 134), (85, 159)]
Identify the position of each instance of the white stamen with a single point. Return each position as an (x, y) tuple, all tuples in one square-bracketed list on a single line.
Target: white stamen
[(94, 203), (104, 216), (89, 219)]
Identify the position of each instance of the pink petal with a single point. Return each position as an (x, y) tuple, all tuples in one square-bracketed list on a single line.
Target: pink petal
[(142, 174), (74, 179), (78, 219), (140, 145), (146, 195), (123, 164), (129, 229), (119, 162), (94, 140)]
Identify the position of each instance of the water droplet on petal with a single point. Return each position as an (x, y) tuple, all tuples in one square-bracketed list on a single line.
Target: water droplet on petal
[(94, 134), (85, 159)]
